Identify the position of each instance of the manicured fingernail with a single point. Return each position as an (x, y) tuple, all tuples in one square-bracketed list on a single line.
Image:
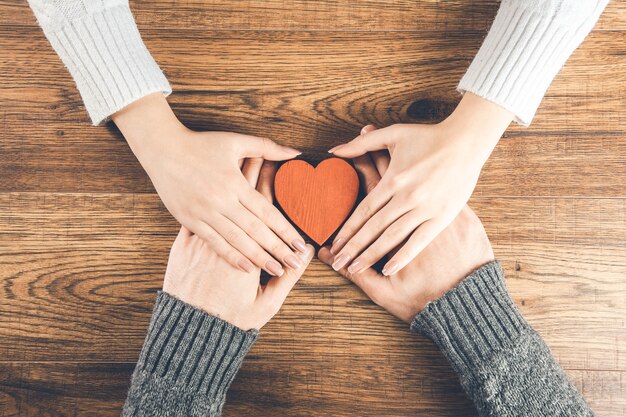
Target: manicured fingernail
[(292, 151), (292, 261), (246, 265), (391, 268), (336, 148), (299, 245), (355, 266), (340, 261), (337, 245), (307, 254), (274, 268)]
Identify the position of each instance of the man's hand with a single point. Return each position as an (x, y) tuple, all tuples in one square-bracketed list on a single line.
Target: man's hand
[(198, 175), (455, 253), (197, 275), (431, 175)]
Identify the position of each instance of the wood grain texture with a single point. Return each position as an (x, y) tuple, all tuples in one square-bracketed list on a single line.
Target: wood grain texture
[(315, 90), (363, 15), (317, 199), (84, 239)]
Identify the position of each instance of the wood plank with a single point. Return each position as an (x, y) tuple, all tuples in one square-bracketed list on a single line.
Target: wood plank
[(262, 389), (307, 98), (364, 15), (80, 274), (63, 389)]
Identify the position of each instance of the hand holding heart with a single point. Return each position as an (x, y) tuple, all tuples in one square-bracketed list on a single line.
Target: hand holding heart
[(431, 175), (198, 275), (199, 177), (455, 253)]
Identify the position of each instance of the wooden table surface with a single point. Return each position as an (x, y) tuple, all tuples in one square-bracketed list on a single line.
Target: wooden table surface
[(84, 238)]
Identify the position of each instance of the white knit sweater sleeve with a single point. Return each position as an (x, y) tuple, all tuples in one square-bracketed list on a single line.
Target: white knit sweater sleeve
[(525, 48), (99, 43)]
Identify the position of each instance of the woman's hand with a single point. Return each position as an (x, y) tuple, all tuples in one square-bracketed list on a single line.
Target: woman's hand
[(455, 253), (197, 275), (198, 175), (431, 175)]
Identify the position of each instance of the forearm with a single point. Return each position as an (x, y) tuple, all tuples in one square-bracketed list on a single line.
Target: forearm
[(525, 48), (99, 43), (503, 364), (187, 363)]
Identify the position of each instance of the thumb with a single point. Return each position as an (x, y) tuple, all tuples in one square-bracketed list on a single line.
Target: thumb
[(254, 147), (278, 288), (370, 139), (374, 285)]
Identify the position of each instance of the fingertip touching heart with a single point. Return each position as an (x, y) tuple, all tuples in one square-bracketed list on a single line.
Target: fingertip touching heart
[(319, 199)]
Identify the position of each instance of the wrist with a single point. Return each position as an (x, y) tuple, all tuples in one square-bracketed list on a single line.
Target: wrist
[(146, 123), (477, 124)]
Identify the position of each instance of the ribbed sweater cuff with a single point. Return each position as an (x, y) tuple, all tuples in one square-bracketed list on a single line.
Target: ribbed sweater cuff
[(525, 48), (108, 60), (190, 354), (473, 321)]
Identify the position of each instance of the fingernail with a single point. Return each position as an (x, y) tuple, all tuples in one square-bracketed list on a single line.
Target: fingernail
[(293, 151), (299, 245), (293, 262), (246, 265), (336, 148), (306, 255), (391, 268), (355, 266), (340, 262), (337, 245), (274, 268)]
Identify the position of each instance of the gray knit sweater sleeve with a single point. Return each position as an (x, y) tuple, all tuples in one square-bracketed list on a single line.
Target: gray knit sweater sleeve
[(187, 363), (528, 43), (503, 364), (99, 43)]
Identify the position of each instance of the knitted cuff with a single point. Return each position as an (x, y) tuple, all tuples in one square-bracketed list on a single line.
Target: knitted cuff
[(473, 321), (525, 48), (191, 350), (104, 53)]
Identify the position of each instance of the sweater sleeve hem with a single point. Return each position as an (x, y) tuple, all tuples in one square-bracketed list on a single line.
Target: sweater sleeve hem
[(108, 60), (188, 353), (524, 50), (473, 321)]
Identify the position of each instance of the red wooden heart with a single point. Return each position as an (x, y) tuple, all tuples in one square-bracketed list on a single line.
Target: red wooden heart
[(319, 199)]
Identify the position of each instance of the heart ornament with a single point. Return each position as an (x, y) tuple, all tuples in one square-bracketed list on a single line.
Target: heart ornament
[(319, 199)]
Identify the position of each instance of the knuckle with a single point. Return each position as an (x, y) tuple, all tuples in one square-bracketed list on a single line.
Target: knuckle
[(278, 247), (366, 209), (232, 235)]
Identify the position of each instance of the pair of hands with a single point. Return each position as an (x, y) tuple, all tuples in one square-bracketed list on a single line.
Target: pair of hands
[(199, 276), (428, 179)]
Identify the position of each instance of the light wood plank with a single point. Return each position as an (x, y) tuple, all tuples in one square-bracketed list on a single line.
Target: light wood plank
[(307, 98), (81, 272)]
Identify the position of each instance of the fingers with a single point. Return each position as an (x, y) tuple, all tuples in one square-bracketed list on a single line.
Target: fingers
[(254, 147), (265, 238), (370, 205), (368, 174), (372, 229), (375, 286), (420, 238), (251, 170), (237, 238), (381, 160), (278, 288), (391, 238), (265, 185), (272, 217), (222, 248), (371, 140)]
